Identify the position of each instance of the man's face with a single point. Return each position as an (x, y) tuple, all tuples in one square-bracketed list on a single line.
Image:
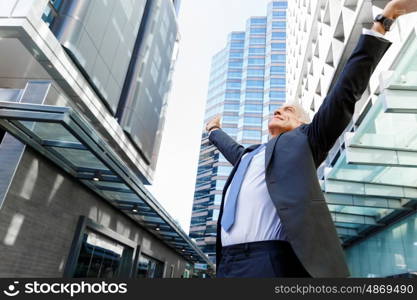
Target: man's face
[(284, 119)]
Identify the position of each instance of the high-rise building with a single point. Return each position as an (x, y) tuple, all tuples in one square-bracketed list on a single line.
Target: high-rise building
[(370, 175), (247, 83), (83, 91)]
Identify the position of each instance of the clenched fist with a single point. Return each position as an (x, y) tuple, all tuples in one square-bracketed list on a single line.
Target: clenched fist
[(213, 124), (396, 8)]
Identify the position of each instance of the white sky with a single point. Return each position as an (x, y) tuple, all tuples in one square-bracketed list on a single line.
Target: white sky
[(204, 26)]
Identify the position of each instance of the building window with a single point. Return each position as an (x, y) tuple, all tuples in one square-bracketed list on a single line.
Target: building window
[(215, 215), (258, 21), (274, 95), (232, 107), (230, 131), (277, 82), (254, 96), (280, 35), (258, 30), (149, 267), (98, 252), (278, 70), (232, 95), (274, 107), (236, 54), (220, 184), (235, 64), (224, 170), (279, 14), (255, 72), (217, 199), (257, 41), (278, 46), (51, 11), (230, 119), (100, 257), (256, 61), (237, 44), (280, 4), (234, 74), (279, 24), (253, 108), (252, 134), (255, 84), (233, 85), (252, 121), (238, 35), (186, 274), (257, 51), (278, 57)]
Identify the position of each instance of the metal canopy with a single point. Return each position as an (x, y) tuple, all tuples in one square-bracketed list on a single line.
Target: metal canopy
[(64, 137), (374, 179)]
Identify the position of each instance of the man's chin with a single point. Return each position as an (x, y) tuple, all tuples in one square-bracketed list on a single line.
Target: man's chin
[(274, 126), (273, 129)]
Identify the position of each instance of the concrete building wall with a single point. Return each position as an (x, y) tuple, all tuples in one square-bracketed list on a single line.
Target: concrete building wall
[(39, 218)]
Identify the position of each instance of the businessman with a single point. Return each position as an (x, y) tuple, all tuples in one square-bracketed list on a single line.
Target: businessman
[(274, 220)]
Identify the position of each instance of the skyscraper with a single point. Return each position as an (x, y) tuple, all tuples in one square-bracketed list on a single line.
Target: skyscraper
[(247, 83), (83, 90)]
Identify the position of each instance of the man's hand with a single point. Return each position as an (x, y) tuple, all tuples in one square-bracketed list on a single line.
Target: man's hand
[(214, 124), (396, 8)]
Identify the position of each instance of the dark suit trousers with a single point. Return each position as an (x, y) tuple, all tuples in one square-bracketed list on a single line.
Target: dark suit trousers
[(260, 259)]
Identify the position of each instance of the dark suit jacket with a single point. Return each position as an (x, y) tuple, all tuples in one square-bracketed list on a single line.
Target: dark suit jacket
[(291, 161)]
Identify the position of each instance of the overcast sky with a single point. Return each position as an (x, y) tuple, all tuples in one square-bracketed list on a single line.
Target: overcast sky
[(204, 26)]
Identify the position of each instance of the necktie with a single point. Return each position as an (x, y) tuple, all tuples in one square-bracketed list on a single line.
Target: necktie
[(228, 217)]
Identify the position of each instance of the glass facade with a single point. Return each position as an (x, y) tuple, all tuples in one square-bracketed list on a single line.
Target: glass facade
[(125, 50), (100, 257), (370, 187), (247, 83), (395, 247), (100, 37), (149, 267)]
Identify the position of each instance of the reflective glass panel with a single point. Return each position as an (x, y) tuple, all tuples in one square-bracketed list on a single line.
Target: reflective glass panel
[(387, 130), (81, 158), (373, 174), (405, 73), (100, 257), (50, 131)]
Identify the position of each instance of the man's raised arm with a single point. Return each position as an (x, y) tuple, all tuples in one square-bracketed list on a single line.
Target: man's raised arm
[(230, 149), (338, 107)]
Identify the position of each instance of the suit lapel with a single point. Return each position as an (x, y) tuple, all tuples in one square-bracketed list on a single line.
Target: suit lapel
[(270, 146)]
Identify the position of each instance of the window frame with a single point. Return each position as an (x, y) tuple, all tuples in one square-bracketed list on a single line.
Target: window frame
[(85, 224)]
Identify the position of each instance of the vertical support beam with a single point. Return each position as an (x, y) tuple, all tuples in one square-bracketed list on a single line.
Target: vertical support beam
[(165, 268)]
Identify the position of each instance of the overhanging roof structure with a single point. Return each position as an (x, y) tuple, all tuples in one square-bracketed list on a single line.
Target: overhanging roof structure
[(64, 137), (374, 179)]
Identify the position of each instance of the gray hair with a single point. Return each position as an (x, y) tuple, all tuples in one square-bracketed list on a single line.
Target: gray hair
[(301, 113)]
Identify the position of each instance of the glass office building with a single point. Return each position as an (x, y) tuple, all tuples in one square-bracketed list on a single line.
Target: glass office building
[(247, 83), (370, 176), (83, 91)]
